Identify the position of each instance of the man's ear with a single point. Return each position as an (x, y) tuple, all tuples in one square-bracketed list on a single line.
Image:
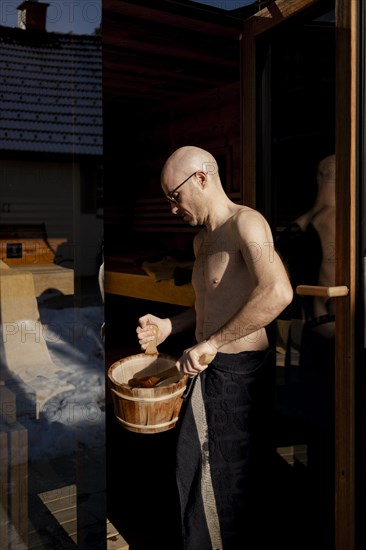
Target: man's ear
[(202, 178)]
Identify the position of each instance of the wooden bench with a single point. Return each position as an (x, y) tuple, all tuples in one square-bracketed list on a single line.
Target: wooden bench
[(152, 216), (144, 287), (124, 275), (26, 247)]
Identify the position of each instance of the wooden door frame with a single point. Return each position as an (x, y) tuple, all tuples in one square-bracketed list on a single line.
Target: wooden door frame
[(346, 141), (265, 20), (347, 75)]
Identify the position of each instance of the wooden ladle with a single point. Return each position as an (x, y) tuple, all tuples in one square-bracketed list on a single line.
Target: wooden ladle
[(165, 377)]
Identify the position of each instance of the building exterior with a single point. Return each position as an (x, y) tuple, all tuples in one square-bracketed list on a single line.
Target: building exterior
[(51, 135)]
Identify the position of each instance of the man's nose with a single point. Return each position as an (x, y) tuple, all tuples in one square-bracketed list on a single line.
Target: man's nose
[(174, 208)]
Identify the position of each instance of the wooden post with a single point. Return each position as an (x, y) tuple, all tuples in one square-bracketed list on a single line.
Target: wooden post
[(13, 486)]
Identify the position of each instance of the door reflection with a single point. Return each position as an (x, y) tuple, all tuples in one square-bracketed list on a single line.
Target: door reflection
[(307, 331), (303, 217)]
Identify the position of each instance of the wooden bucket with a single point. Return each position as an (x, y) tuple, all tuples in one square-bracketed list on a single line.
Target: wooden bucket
[(145, 410)]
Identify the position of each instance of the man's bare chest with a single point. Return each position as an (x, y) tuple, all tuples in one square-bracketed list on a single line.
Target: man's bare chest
[(218, 263)]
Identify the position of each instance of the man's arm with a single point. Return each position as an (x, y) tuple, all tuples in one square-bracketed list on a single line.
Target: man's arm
[(272, 290)]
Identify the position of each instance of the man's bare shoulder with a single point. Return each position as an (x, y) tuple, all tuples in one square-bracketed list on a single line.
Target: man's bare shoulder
[(246, 211), (249, 219)]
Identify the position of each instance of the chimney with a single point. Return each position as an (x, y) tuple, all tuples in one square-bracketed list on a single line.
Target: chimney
[(32, 15)]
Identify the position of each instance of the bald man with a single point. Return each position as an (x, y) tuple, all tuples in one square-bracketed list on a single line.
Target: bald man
[(240, 287)]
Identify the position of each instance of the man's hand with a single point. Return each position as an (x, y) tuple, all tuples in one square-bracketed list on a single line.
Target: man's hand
[(145, 331), (196, 359)]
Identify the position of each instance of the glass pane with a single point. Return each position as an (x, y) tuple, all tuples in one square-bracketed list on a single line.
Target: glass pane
[(51, 229), (303, 187)]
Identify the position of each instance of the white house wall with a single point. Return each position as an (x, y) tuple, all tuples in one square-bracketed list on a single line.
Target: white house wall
[(34, 192)]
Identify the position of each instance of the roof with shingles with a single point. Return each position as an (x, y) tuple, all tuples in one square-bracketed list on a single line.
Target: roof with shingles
[(50, 92)]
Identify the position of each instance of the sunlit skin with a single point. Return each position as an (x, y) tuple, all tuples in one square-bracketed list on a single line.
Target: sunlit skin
[(239, 280), (322, 216)]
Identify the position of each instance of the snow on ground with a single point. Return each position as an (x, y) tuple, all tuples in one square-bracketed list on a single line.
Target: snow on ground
[(76, 417)]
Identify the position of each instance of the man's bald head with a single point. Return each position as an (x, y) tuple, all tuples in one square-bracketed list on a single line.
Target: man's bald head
[(189, 159)]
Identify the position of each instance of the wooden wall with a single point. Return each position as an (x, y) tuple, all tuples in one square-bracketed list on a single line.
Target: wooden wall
[(134, 161)]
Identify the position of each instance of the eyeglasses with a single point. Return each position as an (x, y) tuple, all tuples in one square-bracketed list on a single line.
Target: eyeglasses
[(173, 196)]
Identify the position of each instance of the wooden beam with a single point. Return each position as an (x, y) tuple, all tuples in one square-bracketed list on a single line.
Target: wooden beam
[(346, 147), (18, 487), (14, 486), (278, 12), (4, 485)]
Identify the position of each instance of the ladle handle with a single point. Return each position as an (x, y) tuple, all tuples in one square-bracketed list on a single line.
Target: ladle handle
[(206, 359), (152, 346)]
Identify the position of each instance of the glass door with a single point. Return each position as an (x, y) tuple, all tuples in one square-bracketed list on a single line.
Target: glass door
[(301, 108)]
